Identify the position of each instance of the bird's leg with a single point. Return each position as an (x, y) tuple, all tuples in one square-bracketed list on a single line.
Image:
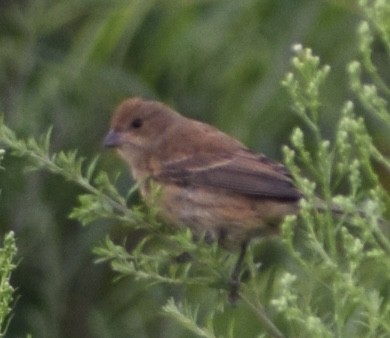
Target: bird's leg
[(235, 276)]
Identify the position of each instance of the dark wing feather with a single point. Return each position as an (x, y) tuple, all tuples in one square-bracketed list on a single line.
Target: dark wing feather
[(244, 173)]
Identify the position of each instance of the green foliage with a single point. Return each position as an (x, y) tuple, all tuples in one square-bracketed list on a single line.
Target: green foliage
[(351, 249), (102, 199), (7, 266), (189, 318), (344, 296), (330, 275)]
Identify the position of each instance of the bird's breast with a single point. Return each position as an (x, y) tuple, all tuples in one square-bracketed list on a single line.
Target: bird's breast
[(229, 218)]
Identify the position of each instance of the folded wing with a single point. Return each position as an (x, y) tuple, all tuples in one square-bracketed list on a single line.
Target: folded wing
[(243, 173)]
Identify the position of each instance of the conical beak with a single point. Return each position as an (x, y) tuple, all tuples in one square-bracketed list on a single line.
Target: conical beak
[(113, 139)]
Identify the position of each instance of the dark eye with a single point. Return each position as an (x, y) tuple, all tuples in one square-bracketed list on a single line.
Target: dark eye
[(136, 123)]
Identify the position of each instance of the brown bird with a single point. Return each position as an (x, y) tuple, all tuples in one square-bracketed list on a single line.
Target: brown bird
[(211, 182)]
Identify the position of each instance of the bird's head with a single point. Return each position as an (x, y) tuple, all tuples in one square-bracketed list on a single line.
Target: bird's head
[(138, 125)]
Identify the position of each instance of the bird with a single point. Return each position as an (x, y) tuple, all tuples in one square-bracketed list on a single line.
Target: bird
[(210, 182)]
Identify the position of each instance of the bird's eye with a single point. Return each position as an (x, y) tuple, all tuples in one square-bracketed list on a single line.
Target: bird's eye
[(136, 123)]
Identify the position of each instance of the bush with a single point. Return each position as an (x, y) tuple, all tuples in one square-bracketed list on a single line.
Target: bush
[(328, 277)]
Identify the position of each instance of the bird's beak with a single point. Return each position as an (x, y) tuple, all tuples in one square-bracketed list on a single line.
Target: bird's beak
[(113, 139)]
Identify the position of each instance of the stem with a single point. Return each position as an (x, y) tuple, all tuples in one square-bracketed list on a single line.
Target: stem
[(262, 316)]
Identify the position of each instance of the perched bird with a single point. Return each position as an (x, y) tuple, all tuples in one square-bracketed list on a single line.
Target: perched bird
[(210, 182)]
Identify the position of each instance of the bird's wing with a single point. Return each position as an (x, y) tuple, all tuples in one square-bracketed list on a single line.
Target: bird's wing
[(243, 172)]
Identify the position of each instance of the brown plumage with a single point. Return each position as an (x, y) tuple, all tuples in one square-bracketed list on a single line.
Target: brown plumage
[(210, 181)]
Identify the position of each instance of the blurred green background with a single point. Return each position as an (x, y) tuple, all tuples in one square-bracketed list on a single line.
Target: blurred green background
[(68, 63)]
